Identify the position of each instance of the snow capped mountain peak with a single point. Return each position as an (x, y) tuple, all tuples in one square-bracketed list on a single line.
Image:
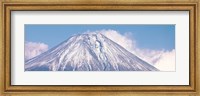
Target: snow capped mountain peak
[(88, 52)]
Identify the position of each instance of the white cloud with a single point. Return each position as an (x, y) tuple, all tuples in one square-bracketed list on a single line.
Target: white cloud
[(123, 40), (158, 58), (151, 56), (33, 49), (167, 61)]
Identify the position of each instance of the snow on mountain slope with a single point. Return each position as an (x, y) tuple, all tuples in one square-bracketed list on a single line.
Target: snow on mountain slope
[(88, 52)]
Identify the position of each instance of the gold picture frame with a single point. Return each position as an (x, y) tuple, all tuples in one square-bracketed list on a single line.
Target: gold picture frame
[(122, 5)]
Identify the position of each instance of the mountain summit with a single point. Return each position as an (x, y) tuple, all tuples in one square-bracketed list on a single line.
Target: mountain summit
[(88, 52)]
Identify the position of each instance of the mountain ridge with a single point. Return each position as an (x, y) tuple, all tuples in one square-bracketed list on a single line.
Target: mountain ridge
[(88, 52)]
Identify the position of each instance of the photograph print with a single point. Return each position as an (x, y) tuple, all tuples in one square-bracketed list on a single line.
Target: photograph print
[(99, 47)]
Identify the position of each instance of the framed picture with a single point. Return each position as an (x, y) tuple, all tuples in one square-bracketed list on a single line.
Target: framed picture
[(100, 47)]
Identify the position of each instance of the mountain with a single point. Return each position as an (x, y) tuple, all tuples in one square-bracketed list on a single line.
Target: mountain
[(88, 52)]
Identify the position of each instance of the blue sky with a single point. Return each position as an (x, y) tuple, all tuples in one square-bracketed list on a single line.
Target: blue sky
[(155, 37)]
